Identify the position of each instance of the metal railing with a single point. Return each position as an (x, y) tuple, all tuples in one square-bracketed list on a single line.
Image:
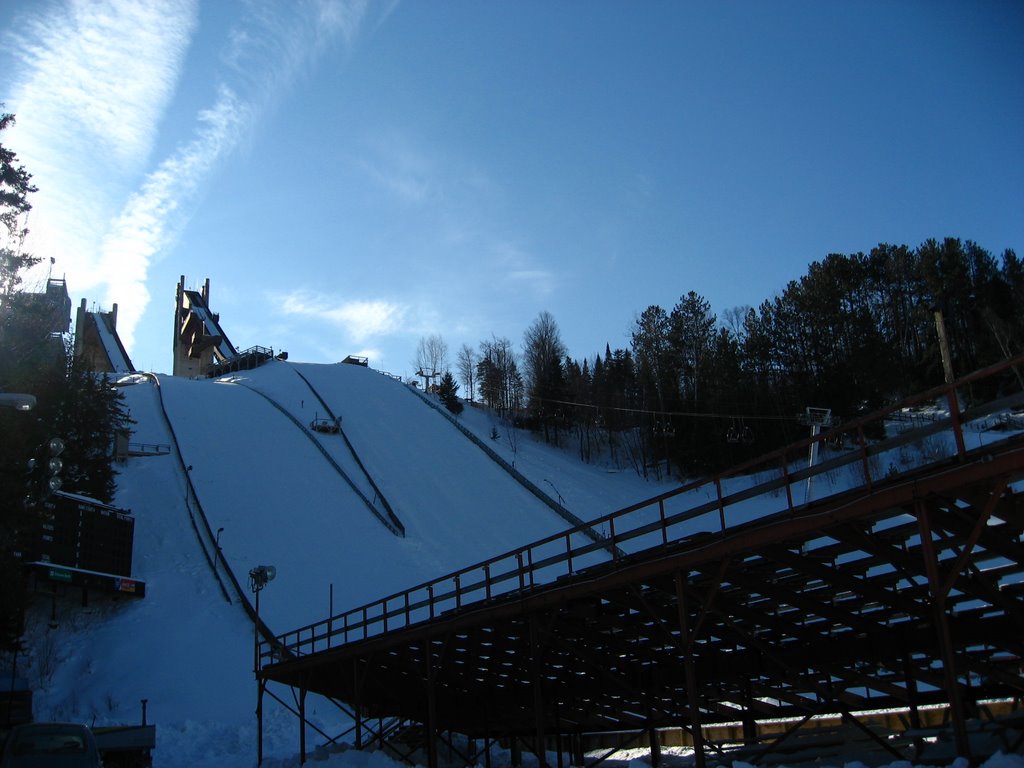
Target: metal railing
[(246, 360), (148, 449), (777, 482)]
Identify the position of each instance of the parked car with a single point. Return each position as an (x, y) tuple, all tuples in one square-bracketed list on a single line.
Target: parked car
[(50, 745)]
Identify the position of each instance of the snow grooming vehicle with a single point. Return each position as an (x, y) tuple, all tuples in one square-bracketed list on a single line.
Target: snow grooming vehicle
[(325, 425)]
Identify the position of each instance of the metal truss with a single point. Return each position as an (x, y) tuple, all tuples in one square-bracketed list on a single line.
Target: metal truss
[(904, 592)]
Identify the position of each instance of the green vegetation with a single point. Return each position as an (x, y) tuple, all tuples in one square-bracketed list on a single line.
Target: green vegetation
[(695, 392), (75, 405)]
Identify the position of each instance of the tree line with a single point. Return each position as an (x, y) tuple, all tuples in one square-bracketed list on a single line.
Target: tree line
[(73, 404), (696, 392)]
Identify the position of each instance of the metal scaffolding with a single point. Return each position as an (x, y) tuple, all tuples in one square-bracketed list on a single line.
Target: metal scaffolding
[(904, 591)]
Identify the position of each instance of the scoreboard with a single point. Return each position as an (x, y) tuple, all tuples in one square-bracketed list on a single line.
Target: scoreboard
[(87, 534)]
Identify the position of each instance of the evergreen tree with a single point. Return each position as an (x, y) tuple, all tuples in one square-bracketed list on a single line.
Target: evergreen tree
[(15, 187), (652, 350), (73, 404), (691, 337), (448, 391), (583, 415)]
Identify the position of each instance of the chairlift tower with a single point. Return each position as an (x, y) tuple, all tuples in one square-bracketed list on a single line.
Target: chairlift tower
[(428, 376), (816, 418)]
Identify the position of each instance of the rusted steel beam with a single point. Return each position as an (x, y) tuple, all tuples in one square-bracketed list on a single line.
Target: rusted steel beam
[(865, 588), (897, 493), (655, 743), (302, 726), (945, 640), (772, 459), (358, 676), (598, 635), (693, 700), (536, 652), (812, 606), (431, 721), (261, 686)]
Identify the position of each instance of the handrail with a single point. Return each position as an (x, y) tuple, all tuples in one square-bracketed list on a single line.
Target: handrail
[(149, 448), (262, 629), (191, 491), (542, 563), (519, 477)]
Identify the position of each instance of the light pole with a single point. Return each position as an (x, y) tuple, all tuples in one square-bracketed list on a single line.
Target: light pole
[(258, 579), (561, 501)]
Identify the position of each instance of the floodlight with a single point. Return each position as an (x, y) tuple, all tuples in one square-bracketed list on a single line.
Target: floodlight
[(260, 575)]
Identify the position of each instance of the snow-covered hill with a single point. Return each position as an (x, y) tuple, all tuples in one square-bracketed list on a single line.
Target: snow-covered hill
[(261, 478), (303, 502)]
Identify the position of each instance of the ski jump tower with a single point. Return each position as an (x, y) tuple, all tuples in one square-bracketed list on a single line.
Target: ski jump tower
[(96, 340), (199, 341)]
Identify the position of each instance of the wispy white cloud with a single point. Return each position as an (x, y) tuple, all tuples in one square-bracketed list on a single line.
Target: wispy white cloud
[(520, 271), (361, 320), (539, 281), (98, 76), (94, 82), (142, 229), (273, 43), (397, 166), (344, 18), (89, 84)]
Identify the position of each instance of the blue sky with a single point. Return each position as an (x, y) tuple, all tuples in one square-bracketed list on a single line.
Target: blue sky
[(353, 176)]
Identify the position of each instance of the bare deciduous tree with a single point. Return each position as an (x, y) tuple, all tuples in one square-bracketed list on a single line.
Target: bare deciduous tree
[(466, 361), (431, 358), (501, 385), (543, 352)]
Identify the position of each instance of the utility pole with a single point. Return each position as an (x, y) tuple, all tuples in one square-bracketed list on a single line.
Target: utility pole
[(947, 359)]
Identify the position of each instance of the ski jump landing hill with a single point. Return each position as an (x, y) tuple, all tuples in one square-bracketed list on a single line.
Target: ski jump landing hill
[(397, 495), (391, 495), (396, 499)]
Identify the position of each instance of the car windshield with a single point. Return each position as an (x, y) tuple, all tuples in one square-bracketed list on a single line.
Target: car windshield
[(50, 746), (45, 741)]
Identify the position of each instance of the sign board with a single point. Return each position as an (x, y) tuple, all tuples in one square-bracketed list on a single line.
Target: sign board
[(59, 574), (84, 533)]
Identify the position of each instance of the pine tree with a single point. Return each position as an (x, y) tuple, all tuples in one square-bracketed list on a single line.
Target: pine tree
[(72, 404), (448, 391)]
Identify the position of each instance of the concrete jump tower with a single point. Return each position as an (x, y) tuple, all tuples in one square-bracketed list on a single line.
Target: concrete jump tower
[(199, 341), (97, 340)]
